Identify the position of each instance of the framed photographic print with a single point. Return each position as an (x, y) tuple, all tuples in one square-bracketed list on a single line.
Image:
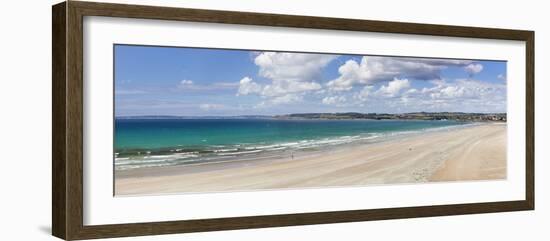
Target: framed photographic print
[(171, 120)]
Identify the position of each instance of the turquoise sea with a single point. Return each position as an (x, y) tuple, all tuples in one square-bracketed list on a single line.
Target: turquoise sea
[(173, 141)]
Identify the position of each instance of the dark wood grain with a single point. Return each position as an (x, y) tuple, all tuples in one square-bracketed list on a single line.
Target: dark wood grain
[(67, 152), (59, 182), (264, 19), (121, 230), (74, 110), (530, 120)]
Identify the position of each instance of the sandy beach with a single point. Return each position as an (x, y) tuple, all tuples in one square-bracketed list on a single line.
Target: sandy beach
[(469, 153)]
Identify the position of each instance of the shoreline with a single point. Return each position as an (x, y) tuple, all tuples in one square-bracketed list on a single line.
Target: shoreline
[(235, 153), (303, 152), (476, 152)]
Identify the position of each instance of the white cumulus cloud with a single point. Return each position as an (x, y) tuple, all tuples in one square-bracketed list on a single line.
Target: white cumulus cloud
[(351, 73), (291, 67), (473, 68), (248, 86), (291, 75), (372, 69), (280, 88), (394, 87), (452, 92), (364, 94)]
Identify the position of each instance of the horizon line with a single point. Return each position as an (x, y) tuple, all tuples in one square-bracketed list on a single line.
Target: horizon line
[(301, 113)]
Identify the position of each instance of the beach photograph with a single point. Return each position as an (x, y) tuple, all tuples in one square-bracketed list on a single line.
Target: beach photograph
[(203, 120)]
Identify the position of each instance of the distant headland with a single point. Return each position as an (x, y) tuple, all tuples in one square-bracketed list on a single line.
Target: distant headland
[(457, 116)]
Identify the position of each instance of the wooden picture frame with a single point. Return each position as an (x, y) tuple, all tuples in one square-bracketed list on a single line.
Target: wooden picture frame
[(67, 138)]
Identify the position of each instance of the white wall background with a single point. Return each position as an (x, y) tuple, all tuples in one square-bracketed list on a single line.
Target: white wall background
[(25, 122)]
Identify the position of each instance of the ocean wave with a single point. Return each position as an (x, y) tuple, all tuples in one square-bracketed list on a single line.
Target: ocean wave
[(226, 150), (239, 153)]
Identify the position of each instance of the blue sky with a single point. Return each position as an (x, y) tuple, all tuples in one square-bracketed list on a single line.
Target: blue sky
[(217, 82)]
